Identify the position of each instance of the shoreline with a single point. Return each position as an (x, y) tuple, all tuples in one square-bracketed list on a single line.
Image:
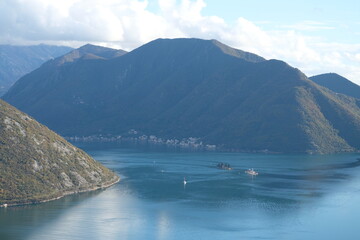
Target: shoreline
[(103, 186), (191, 147)]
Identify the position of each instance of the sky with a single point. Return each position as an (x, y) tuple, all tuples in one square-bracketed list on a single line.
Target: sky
[(315, 36)]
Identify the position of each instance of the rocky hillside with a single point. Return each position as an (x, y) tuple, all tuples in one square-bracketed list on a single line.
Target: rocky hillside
[(38, 165)]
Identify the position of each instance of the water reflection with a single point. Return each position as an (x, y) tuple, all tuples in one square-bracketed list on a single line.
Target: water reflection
[(31, 217), (163, 225), (290, 197)]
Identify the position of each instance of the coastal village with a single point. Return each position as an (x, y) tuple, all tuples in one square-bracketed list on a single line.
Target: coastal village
[(135, 137)]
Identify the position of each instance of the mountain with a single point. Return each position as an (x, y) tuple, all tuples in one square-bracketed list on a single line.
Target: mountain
[(87, 52), (38, 165), (16, 61), (182, 88), (337, 84)]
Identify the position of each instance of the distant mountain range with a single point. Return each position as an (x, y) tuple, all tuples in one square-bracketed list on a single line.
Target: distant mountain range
[(16, 61), (38, 165), (181, 88), (337, 84)]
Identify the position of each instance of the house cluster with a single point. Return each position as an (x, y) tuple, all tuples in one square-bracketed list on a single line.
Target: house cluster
[(133, 136)]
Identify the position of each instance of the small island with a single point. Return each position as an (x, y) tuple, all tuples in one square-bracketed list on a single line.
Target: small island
[(224, 166)]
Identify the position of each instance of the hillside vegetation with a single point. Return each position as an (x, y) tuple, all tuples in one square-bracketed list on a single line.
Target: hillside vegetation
[(38, 165), (181, 88)]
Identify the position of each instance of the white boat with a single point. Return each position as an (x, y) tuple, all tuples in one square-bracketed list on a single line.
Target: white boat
[(251, 172), (185, 181)]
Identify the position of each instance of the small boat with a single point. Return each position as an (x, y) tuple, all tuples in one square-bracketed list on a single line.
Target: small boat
[(185, 181), (251, 172)]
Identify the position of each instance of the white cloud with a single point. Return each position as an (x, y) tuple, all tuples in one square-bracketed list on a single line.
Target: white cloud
[(128, 24), (125, 23), (309, 26)]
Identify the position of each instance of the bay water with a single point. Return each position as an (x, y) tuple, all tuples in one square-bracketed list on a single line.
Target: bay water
[(293, 197)]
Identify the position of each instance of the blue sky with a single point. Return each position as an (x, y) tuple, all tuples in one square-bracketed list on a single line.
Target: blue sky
[(332, 20), (314, 36), (328, 21)]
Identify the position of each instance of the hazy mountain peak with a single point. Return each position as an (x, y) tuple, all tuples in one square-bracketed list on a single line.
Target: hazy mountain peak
[(16, 61), (100, 51), (338, 84), (91, 46), (89, 51)]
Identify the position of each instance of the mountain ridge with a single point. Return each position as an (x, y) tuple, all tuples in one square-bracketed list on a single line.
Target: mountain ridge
[(87, 52), (181, 88), (16, 61), (338, 84)]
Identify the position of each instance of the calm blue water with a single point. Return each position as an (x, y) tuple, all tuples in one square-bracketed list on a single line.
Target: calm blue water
[(293, 197)]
